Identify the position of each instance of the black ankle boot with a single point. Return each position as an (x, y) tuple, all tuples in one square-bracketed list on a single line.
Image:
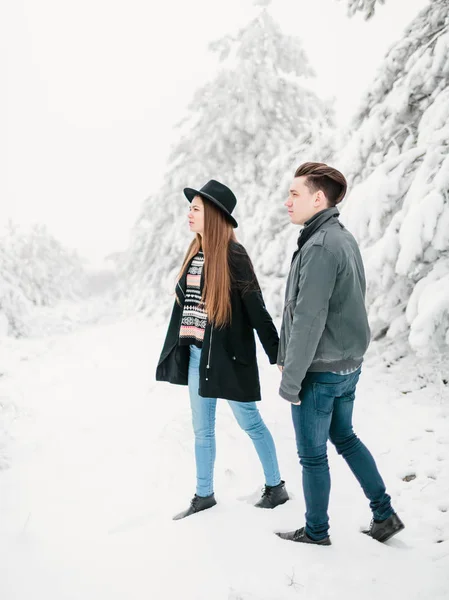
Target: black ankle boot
[(197, 504), (384, 530), (301, 536), (273, 496)]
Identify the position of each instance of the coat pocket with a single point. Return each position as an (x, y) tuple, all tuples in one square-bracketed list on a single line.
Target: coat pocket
[(238, 357), (237, 353)]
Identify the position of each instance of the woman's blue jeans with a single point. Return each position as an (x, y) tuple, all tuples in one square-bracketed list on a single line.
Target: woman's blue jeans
[(203, 420), (325, 412)]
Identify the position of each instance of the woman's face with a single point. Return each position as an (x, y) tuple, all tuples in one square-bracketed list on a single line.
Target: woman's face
[(196, 215)]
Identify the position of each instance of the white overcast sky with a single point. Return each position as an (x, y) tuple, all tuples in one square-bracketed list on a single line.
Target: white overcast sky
[(94, 88)]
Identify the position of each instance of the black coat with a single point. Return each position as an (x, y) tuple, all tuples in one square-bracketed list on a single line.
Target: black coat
[(228, 365)]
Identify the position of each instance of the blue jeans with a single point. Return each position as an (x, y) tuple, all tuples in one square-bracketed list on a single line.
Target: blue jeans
[(327, 402), (203, 420)]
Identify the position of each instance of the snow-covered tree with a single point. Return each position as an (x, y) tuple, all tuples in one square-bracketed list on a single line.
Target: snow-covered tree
[(397, 163), (255, 109), (35, 270)]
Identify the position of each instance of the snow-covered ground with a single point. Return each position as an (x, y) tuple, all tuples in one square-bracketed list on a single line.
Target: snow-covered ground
[(95, 458)]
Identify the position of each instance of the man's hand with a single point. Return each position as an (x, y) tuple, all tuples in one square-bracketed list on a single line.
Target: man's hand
[(296, 403)]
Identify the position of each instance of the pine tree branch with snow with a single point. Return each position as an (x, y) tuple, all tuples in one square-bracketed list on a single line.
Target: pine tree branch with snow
[(367, 7), (397, 162)]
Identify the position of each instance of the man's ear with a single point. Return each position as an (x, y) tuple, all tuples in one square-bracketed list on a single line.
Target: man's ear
[(320, 199)]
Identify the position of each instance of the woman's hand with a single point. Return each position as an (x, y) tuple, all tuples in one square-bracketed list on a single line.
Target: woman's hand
[(281, 368)]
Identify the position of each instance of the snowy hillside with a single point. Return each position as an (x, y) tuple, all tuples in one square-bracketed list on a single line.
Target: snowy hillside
[(99, 457)]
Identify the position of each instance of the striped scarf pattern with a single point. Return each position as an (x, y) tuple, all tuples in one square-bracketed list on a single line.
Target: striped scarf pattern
[(194, 316)]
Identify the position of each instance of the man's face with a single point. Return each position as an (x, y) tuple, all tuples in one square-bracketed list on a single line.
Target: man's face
[(302, 204)]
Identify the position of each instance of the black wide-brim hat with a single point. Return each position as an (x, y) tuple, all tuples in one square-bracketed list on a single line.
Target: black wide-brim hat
[(218, 194)]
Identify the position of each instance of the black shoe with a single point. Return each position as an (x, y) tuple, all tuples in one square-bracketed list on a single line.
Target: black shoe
[(197, 504), (300, 535), (384, 530), (273, 496)]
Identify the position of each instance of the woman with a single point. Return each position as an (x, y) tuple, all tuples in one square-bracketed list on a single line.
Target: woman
[(210, 342)]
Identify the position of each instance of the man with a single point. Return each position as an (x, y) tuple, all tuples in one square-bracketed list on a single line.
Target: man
[(324, 336)]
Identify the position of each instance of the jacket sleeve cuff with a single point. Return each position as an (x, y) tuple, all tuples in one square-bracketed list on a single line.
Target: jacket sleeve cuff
[(272, 353), (290, 397)]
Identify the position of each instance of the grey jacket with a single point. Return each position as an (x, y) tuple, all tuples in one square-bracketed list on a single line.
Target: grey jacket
[(324, 325)]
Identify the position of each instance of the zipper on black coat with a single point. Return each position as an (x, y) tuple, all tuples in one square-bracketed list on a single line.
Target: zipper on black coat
[(208, 356), (182, 291)]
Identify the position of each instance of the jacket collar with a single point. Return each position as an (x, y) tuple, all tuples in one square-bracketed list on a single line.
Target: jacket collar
[(313, 224), (322, 216)]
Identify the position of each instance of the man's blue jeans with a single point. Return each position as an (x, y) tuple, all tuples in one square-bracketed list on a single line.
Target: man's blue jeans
[(327, 401), (203, 419)]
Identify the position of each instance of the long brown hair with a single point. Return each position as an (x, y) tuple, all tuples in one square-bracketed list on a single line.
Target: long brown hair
[(214, 242)]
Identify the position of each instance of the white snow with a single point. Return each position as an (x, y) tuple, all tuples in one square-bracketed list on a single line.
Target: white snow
[(96, 457)]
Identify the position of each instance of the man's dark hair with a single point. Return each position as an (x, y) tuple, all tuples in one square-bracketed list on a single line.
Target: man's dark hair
[(320, 176)]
